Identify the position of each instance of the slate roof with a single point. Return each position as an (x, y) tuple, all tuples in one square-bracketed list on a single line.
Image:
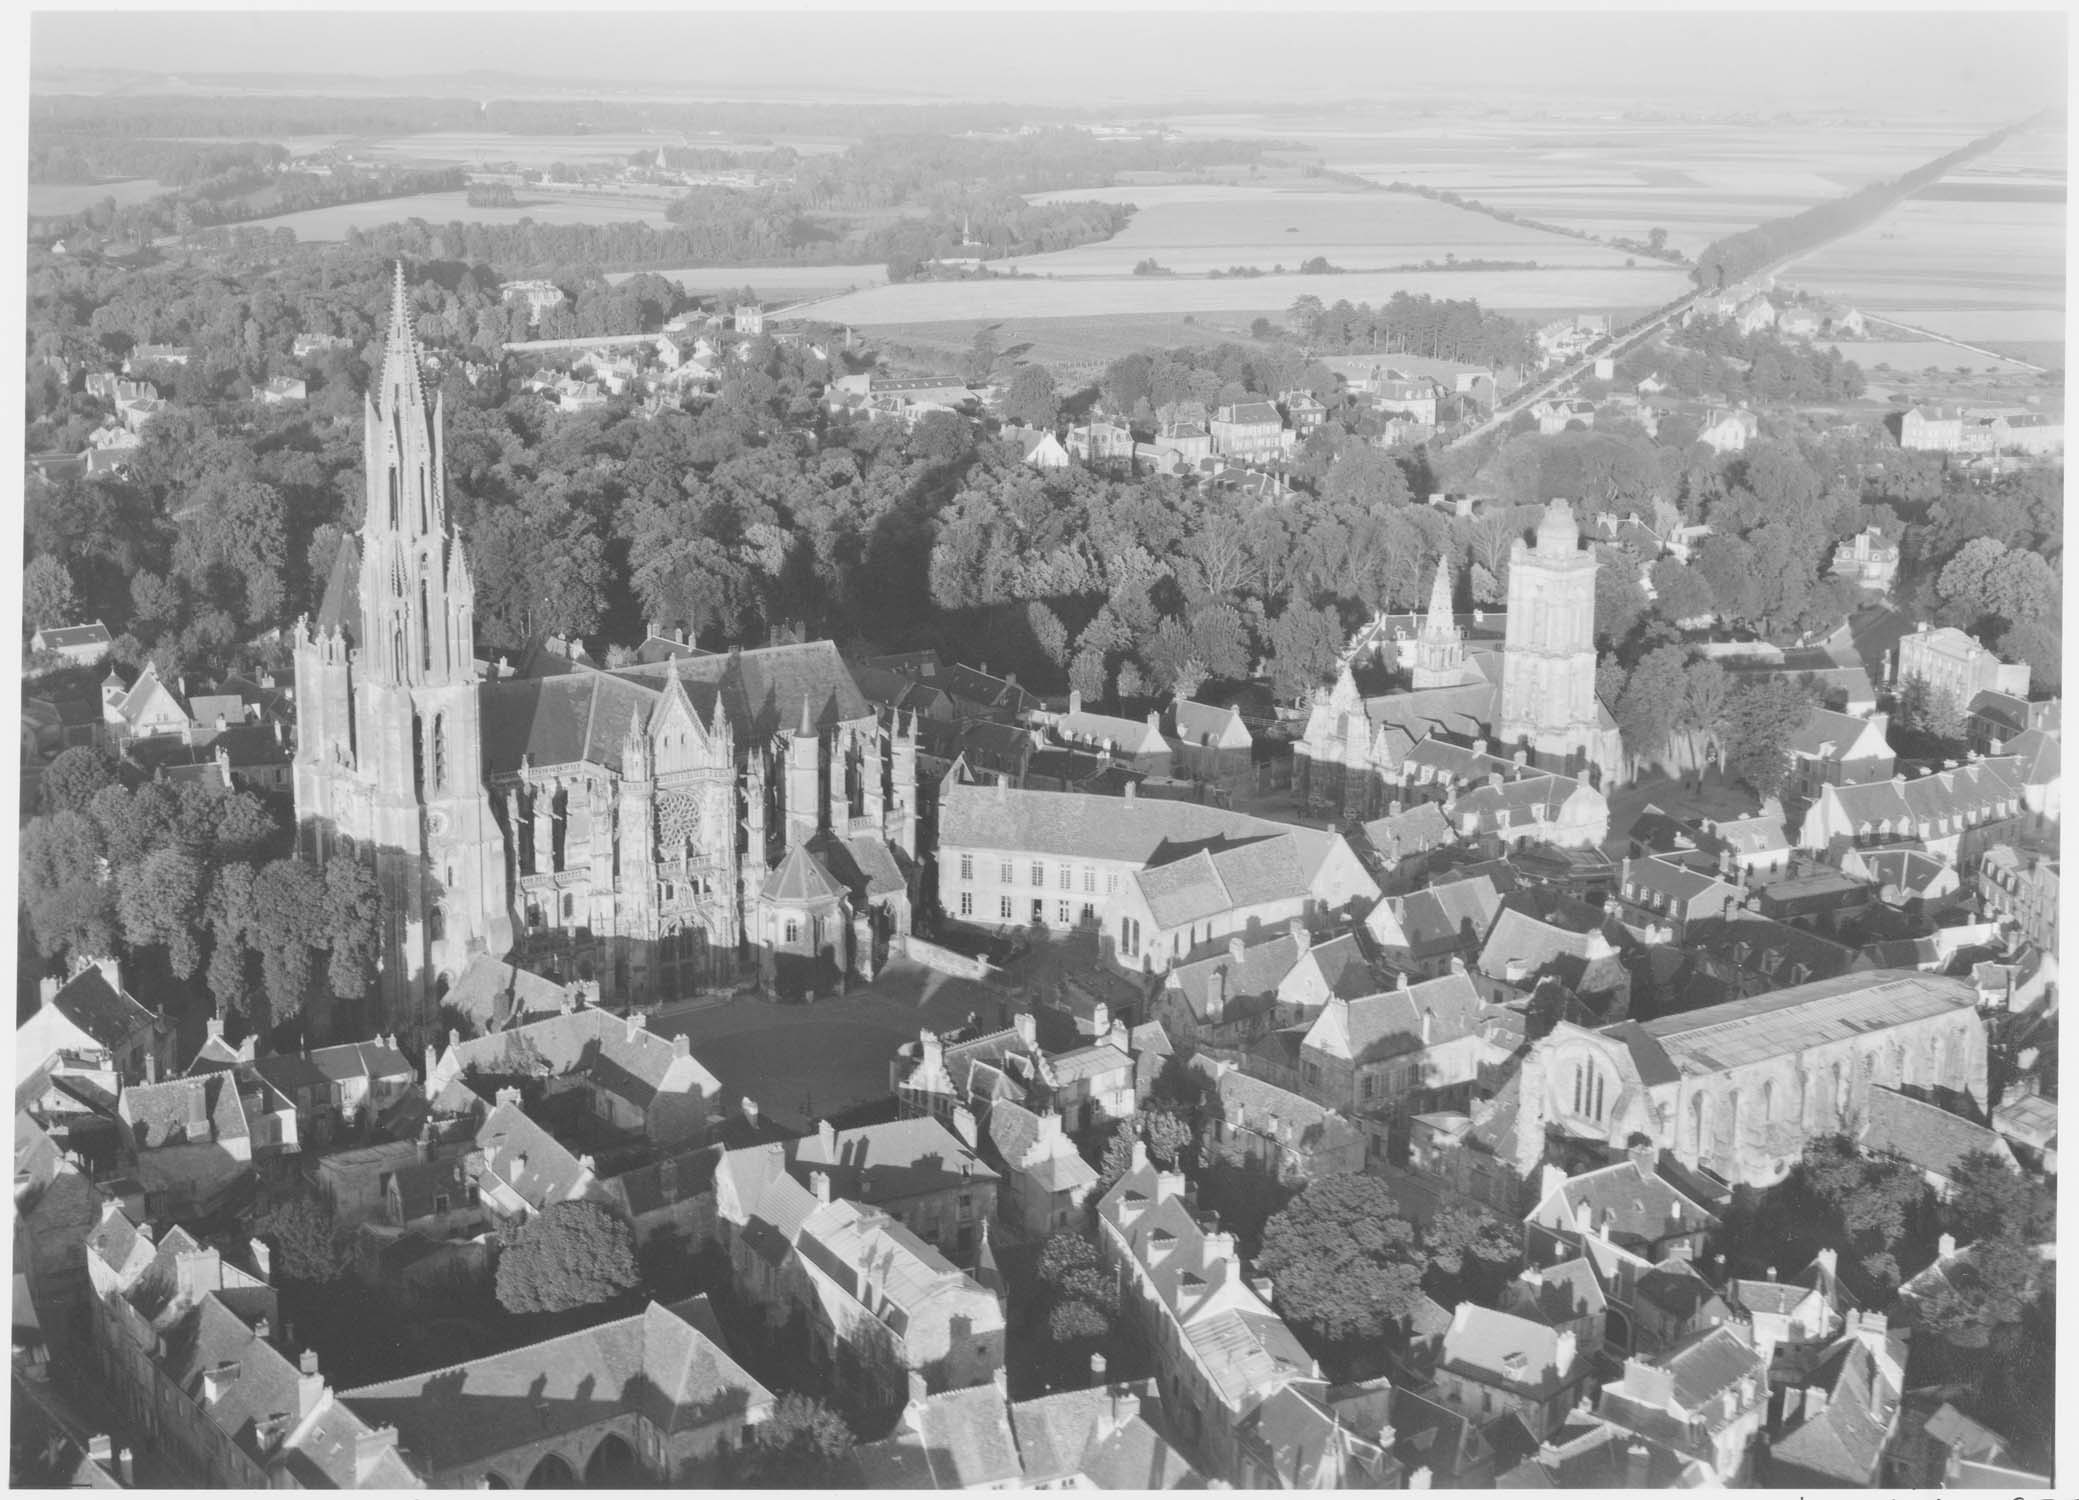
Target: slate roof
[(340, 608), (360, 1060), (1828, 735), (1924, 1135), (654, 1362), (2035, 754), (108, 1015), (1262, 968), (1845, 1442), (1208, 882), (1410, 831), (1437, 917), (501, 994), (1078, 824), (1583, 961), (1560, 1293), (1628, 1202), (900, 1158), (801, 880), (58, 637), (1068, 1434), (584, 715), (962, 1440), (1788, 1021), (1970, 792), (1389, 1023), (1654, 1065), (629, 1060), (159, 1112), (1343, 966), (1252, 1103), (1204, 724), (527, 1158)]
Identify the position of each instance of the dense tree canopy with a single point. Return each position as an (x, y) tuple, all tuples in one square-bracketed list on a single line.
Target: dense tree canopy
[(571, 1254)]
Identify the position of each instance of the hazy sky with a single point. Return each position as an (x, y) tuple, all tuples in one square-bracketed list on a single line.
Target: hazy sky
[(1994, 64)]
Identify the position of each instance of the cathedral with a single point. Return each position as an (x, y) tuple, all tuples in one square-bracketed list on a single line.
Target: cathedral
[(658, 830), (1532, 690)]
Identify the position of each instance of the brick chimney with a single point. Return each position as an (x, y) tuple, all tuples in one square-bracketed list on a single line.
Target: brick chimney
[(826, 1137), (1302, 940), (198, 1112), (819, 1184)]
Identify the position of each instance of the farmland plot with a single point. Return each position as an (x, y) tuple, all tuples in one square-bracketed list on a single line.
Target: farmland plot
[(332, 223)]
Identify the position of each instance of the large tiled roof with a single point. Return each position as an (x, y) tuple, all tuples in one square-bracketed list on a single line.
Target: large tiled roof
[(654, 1363), (1073, 1433), (159, 1112), (1827, 734), (884, 1267), (1970, 792), (1926, 1135), (527, 1158), (2035, 754), (585, 715), (360, 1060), (1557, 1294), (1787, 1021), (254, 1380), (1410, 831), (962, 1439), (1844, 1442), (1209, 882), (498, 994), (1442, 915), (1260, 970), (1077, 824), (1254, 1104), (1630, 1203), (801, 880), (881, 1163), (626, 1059), (1388, 1023)]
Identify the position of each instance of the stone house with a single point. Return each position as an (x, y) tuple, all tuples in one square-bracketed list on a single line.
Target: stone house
[(92, 1018), (1212, 744), (1046, 1183), (1285, 1134), (1706, 1399), (1163, 912), (1494, 1364)]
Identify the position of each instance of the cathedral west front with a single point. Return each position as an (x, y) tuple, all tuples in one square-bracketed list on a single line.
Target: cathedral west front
[(659, 830)]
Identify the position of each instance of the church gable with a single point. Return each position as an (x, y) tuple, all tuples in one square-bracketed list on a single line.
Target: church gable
[(678, 740)]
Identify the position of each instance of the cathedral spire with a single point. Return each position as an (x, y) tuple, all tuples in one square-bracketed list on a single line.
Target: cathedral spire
[(1440, 597)]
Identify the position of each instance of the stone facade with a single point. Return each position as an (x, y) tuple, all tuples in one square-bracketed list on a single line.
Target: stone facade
[(617, 826), (1548, 700)]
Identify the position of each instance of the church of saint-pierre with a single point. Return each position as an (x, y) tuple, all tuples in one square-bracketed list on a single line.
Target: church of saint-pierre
[(660, 829)]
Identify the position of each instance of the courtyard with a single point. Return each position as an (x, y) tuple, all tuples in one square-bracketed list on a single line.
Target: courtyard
[(804, 1062)]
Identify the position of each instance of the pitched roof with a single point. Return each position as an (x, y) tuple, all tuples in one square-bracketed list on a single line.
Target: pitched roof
[(1256, 1104), (1846, 1440), (500, 994), (962, 1439), (1782, 1022), (527, 1158), (159, 1113), (801, 880), (655, 1363), (360, 1060), (624, 1058), (1261, 968), (1925, 1135), (1410, 831), (1390, 1022), (108, 1015), (1078, 824), (1440, 915), (341, 607), (1208, 882), (585, 715), (1629, 1203), (1203, 723), (1968, 792), (1073, 1433), (1504, 1349)]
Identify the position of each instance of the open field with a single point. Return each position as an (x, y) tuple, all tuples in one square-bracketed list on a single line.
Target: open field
[(463, 147), (443, 208), (1070, 347), (72, 197), (1987, 268), (1197, 227), (774, 283), (1581, 290), (1614, 176), (1913, 357)]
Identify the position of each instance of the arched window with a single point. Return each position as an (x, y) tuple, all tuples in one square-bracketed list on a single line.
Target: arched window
[(425, 627), (1732, 1115), (425, 515), (1580, 1089), (569, 906), (397, 652), (418, 755), (1768, 1101), (1840, 1091), (440, 752), (393, 499), (1699, 1120), (436, 923), (1598, 1111)]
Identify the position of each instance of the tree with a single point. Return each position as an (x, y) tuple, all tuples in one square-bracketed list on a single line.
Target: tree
[(1456, 1234), (1305, 644), (1070, 1269), (312, 1245), (1650, 707), (1365, 477), (1988, 1199), (803, 1445), (1343, 1261), (74, 777), (1761, 718), (572, 1254), (48, 594), (2041, 645), (1167, 1136), (1031, 399), (1924, 708)]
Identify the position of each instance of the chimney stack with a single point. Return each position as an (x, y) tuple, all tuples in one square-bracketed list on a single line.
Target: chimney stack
[(819, 1184)]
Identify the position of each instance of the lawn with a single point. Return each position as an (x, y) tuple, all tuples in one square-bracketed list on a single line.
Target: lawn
[(1197, 227)]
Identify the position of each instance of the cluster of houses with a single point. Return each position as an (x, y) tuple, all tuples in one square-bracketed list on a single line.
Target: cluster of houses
[(233, 734), (1978, 431)]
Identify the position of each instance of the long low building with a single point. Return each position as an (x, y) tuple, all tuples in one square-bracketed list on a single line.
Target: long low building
[(1740, 1087)]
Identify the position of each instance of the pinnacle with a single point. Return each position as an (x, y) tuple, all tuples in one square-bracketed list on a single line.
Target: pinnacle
[(808, 728)]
